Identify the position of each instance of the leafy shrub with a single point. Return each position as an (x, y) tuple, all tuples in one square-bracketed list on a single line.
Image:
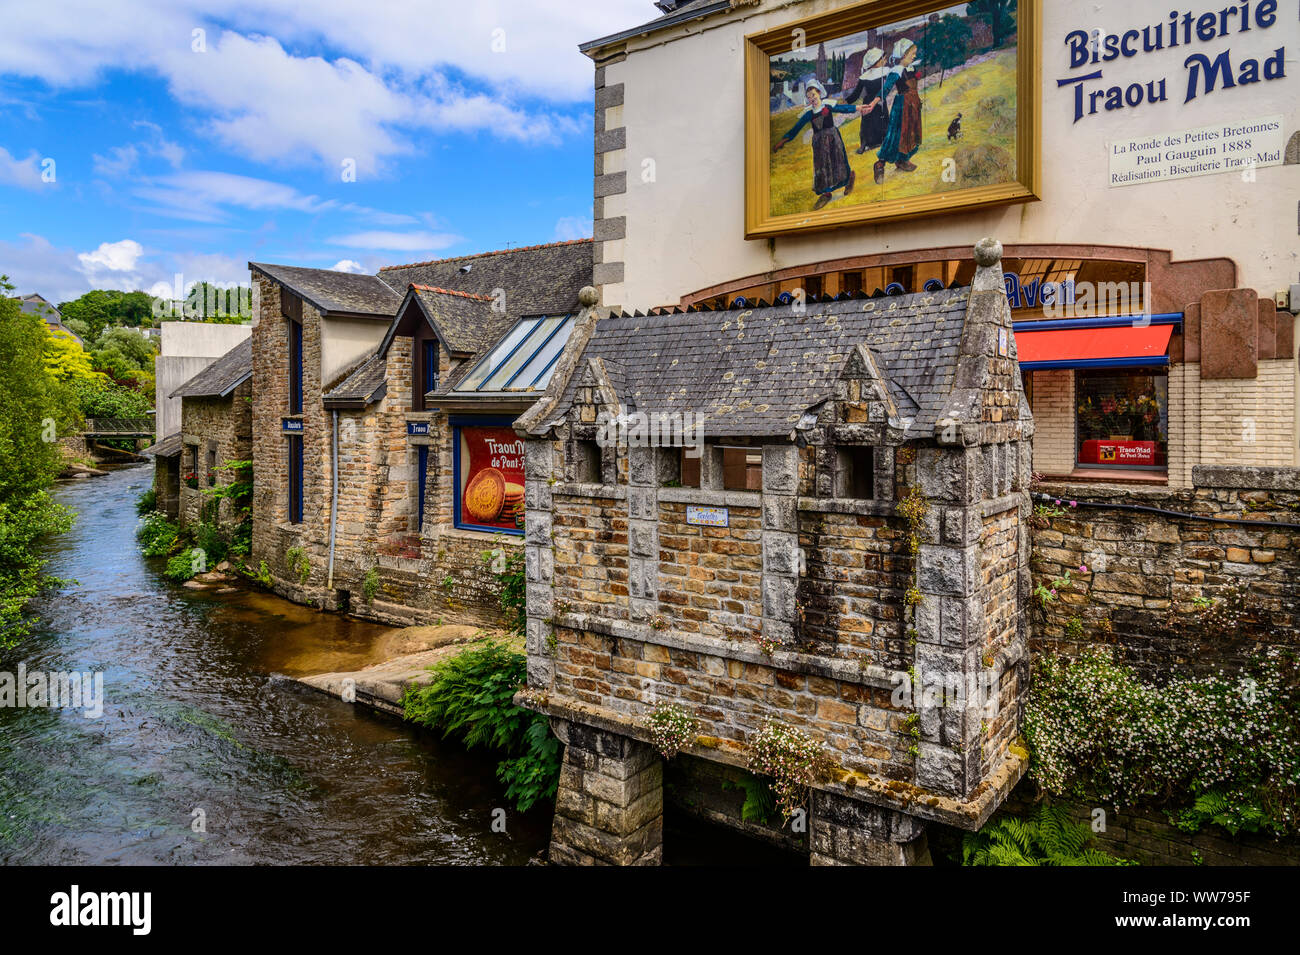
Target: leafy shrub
[(211, 539), (147, 502), (760, 802), (508, 567), (184, 565), (370, 585), (1097, 733), (471, 698), (158, 536), (1048, 837)]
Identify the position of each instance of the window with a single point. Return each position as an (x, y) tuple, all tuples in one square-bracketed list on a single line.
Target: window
[(812, 285), (851, 282), (742, 469), (855, 473), (689, 467), (212, 465), (294, 445), (295, 368), (428, 369), (488, 461), (1123, 418), (192, 465), (586, 462)]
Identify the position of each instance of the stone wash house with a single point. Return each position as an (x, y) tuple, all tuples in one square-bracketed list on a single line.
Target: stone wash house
[(216, 428), (767, 581), (378, 403)]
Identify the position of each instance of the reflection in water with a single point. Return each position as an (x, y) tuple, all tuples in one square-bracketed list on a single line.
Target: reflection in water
[(197, 717)]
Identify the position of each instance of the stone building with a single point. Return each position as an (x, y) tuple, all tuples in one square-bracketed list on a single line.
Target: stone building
[(774, 577), (216, 429), (378, 402), (1168, 339)]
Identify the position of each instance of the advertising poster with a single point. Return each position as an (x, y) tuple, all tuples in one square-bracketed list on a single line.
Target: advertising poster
[(491, 479)]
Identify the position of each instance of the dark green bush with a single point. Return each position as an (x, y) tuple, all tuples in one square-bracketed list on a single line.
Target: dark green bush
[(471, 699), (147, 502), (1048, 837), (158, 536)]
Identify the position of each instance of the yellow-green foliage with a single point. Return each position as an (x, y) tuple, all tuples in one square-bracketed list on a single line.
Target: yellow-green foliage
[(985, 152)]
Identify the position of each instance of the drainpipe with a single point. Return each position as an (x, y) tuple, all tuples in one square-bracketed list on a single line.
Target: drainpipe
[(334, 496)]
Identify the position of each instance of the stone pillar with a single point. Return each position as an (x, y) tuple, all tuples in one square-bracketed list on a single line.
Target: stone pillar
[(780, 541), (609, 809), (848, 832), (539, 562), (643, 533)]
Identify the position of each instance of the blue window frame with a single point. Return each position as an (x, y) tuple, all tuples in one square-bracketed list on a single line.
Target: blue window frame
[(423, 451), (429, 381), (295, 478), (295, 367), (458, 422)]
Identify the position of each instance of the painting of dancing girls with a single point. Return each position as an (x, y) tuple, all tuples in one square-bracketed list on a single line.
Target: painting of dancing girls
[(929, 105)]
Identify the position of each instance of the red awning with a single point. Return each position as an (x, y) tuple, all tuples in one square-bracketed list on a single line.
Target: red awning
[(1094, 347)]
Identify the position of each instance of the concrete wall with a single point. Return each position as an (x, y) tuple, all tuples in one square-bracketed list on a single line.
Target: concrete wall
[(187, 348), (345, 341)]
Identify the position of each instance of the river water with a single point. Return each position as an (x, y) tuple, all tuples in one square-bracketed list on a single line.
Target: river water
[(202, 725), (197, 716)]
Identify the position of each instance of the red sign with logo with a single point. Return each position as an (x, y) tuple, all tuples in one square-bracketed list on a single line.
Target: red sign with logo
[(491, 478), (1132, 453)]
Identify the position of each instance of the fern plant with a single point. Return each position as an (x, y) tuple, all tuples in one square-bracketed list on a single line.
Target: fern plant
[(1048, 837)]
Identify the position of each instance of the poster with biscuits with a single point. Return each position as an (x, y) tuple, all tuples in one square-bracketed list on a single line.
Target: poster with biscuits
[(491, 479)]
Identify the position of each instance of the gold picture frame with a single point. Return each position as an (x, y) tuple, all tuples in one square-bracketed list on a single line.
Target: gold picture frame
[(766, 109)]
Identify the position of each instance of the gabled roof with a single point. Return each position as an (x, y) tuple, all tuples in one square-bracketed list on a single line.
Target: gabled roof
[(37, 305), (684, 12), (755, 372), (223, 376), (335, 292), (535, 280)]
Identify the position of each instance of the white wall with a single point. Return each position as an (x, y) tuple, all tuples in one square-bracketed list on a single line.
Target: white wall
[(187, 348), (684, 107), (344, 341)]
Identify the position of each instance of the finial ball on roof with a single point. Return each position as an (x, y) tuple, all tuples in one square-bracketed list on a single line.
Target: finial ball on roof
[(588, 297), (988, 252)]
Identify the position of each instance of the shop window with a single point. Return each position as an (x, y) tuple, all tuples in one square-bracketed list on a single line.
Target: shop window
[(1123, 418), (855, 473), (295, 367), (294, 445), (488, 463), (742, 469), (586, 462)]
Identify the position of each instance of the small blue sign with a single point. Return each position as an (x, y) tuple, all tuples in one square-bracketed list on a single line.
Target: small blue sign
[(291, 424), (417, 427)]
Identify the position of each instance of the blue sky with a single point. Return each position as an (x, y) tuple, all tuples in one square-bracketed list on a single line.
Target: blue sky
[(144, 138)]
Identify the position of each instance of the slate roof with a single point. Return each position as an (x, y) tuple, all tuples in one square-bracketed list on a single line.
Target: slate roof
[(331, 291), (754, 372), (465, 319), (221, 377), (536, 279), (363, 384), (691, 10), (168, 447)]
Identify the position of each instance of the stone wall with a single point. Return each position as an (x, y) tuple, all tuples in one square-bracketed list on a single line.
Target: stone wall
[(221, 431), (1146, 570)]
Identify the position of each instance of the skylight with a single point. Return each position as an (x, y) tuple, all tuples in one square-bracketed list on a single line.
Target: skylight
[(523, 360)]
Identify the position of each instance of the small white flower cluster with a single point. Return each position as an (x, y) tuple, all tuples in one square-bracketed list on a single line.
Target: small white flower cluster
[(792, 758), (1098, 732), (672, 729)]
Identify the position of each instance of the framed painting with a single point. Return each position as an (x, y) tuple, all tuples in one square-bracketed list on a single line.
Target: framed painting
[(891, 110)]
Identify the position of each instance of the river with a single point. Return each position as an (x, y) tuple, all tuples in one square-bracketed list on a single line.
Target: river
[(202, 730)]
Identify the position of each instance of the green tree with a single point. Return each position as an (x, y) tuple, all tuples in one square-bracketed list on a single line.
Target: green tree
[(37, 408), (1000, 15), (949, 42)]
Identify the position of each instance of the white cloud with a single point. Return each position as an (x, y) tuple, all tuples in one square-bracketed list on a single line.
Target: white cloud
[(112, 256), (349, 265), (20, 172), (118, 163), (385, 82), (397, 241), (572, 227)]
